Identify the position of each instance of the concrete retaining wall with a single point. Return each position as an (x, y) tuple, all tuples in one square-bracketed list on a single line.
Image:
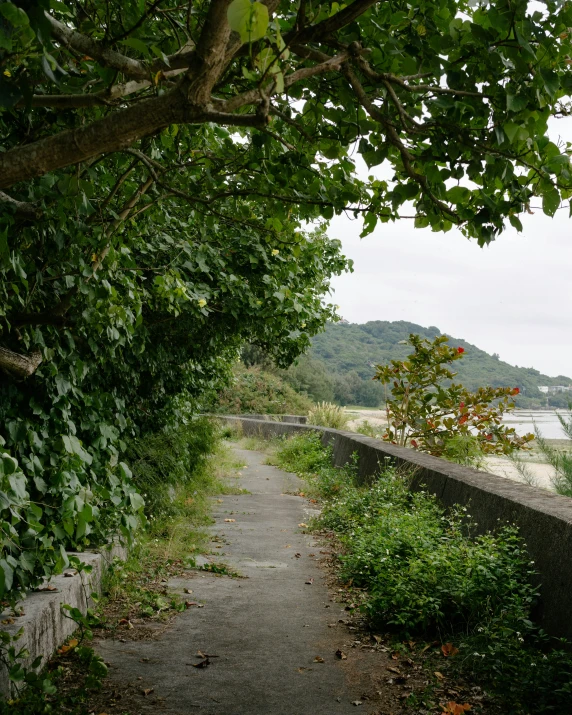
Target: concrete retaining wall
[(294, 419), (544, 518), (45, 625)]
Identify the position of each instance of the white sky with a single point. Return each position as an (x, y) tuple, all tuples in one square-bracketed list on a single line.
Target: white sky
[(512, 297)]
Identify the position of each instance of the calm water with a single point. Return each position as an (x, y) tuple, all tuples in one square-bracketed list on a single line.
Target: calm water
[(523, 421)]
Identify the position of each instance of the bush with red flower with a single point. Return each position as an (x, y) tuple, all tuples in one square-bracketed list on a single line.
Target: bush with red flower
[(427, 409)]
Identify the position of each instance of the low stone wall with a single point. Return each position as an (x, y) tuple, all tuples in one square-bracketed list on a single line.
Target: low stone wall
[(289, 419), (543, 518), (45, 625)]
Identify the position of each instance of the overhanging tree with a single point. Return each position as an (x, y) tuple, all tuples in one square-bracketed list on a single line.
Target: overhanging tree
[(159, 162)]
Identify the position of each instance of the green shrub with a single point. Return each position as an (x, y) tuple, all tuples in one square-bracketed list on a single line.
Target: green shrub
[(464, 449), (162, 461), (423, 574), (257, 392), (326, 414), (369, 430)]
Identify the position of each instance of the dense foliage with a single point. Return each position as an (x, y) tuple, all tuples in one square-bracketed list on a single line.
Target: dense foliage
[(352, 349), (256, 391), (142, 242), (428, 414), (426, 575)]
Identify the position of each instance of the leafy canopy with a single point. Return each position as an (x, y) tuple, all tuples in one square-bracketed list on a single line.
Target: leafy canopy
[(159, 164)]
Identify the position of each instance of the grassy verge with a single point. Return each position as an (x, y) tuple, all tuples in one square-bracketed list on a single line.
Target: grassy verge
[(425, 579), (136, 598)]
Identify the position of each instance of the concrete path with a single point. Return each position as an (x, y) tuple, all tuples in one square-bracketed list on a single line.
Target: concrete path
[(269, 630)]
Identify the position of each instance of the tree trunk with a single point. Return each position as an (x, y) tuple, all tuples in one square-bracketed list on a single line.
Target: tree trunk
[(19, 366)]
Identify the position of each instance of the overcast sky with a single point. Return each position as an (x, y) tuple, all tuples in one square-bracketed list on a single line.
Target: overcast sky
[(512, 298)]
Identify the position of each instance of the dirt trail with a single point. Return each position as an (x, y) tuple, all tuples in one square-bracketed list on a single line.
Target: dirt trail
[(275, 632)]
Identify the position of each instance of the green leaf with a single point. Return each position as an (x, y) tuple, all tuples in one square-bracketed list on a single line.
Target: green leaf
[(515, 222), (15, 16), (551, 81), (249, 19), (550, 201), (515, 102), (137, 501), (511, 130), (136, 44)]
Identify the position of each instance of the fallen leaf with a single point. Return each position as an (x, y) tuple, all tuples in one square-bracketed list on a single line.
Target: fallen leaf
[(302, 526), (47, 588), (69, 574), (200, 654), (439, 675), (202, 664), (297, 556), (188, 604), (230, 521), (356, 702), (144, 660), (147, 691), (73, 643), (310, 581), (378, 639), (341, 655), (188, 590), (319, 659), (426, 648), (452, 708), (394, 670), (301, 494), (448, 649), (395, 656)]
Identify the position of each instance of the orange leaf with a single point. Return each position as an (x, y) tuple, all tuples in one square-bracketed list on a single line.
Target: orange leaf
[(448, 649), (452, 708)]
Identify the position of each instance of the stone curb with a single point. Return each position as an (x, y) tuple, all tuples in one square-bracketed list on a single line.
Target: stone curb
[(45, 625)]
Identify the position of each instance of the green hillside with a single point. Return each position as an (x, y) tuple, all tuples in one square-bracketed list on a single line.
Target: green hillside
[(349, 352)]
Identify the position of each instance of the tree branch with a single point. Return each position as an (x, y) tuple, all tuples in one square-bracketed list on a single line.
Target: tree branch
[(22, 209), (86, 46), (19, 366)]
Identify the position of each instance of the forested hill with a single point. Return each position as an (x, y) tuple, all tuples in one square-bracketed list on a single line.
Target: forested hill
[(351, 350)]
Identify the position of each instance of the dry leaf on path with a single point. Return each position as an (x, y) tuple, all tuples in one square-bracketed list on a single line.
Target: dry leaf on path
[(319, 659), (448, 649), (439, 675), (188, 590), (356, 702), (200, 654), (310, 581), (202, 664), (297, 556), (302, 525), (147, 691), (47, 588), (452, 708), (341, 655), (230, 521)]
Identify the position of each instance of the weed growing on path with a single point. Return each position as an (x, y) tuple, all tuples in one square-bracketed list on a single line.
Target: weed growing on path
[(425, 576)]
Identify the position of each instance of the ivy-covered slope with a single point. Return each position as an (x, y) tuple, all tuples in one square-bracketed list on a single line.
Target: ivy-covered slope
[(356, 348)]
